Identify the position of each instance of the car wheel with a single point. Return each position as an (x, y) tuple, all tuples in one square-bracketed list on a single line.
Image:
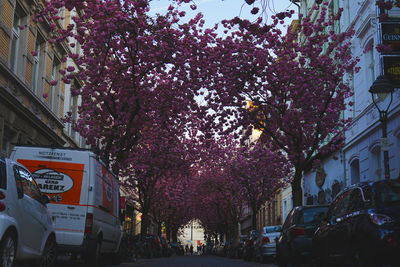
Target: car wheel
[(280, 261), (8, 250), (49, 255), (93, 257), (363, 258)]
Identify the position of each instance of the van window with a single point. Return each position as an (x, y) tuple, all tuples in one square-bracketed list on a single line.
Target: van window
[(3, 177), (25, 180)]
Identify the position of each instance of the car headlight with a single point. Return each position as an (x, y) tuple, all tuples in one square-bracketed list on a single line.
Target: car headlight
[(380, 219)]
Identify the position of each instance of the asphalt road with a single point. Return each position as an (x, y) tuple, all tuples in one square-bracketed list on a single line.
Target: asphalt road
[(174, 261), (194, 261)]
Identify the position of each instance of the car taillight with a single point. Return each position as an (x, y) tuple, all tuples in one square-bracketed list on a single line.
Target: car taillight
[(380, 219), (299, 231), (265, 240), (89, 223), (2, 205)]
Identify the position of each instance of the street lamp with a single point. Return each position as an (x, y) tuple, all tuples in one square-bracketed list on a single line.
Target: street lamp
[(379, 89)]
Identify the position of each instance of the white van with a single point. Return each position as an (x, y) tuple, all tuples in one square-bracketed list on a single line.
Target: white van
[(85, 199)]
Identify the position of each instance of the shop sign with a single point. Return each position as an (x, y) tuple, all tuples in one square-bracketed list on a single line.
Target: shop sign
[(391, 36), (391, 65)]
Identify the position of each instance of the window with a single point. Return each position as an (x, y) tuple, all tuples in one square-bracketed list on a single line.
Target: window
[(289, 219), (38, 64), (387, 193), (25, 181), (356, 200), (355, 171), (15, 39), (3, 175), (311, 215), (54, 90), (376, 163), (370, 63), (339, 205)]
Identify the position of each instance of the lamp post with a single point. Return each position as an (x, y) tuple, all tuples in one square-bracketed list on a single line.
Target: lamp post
[(379, 89)]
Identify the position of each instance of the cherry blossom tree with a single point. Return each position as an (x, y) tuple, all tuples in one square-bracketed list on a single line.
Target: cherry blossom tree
[(294, 80), (134, 70)]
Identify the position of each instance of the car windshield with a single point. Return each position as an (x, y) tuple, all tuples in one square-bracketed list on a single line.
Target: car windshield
[(253, 234), (387, 193), (272, 229), (312, 215)]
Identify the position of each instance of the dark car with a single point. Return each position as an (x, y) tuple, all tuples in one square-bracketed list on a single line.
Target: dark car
[(294, 244), (240, 247), (152, 246), (248, 250), (362, 227)]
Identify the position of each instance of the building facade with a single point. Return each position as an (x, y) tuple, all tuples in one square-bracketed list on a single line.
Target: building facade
[(361, 159), (31, 105), (192, 234)]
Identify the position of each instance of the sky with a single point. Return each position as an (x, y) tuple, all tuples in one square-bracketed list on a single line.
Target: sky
[(216, 10)]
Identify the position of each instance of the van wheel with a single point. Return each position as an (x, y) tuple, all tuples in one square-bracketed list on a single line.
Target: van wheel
[(49, 255), (8, 250), (93, 257)]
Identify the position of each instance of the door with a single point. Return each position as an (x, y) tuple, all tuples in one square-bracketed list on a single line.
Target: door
[(283, 241), (334, 239), (32, 214)]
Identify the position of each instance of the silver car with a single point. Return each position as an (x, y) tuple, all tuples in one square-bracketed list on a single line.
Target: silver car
[(265, 246), (26, 228)]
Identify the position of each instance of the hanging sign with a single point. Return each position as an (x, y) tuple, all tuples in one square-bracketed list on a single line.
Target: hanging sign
[(391, 36), (391, 65)]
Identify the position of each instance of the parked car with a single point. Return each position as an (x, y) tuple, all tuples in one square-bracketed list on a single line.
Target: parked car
[(177, 248), (294, 244), (248, 251), (240, 247), (85, 199), (26, 227), (152, 246), (265, 245), (362, 227), (166, 249)]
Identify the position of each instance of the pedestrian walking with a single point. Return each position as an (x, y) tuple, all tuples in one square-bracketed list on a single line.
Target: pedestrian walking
[(186, 249), (191, 249)]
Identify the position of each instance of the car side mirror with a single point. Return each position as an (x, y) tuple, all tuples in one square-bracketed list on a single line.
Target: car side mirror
[(332, 220), (44, 199)]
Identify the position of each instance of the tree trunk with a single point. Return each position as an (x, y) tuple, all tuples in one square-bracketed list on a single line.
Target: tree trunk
[(145, 223), (297, 191), (254, 217), (159, 226), (168, 231), (174, 235)]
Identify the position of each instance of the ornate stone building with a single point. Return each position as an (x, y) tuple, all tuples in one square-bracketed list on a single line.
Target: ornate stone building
[(31, 108)]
